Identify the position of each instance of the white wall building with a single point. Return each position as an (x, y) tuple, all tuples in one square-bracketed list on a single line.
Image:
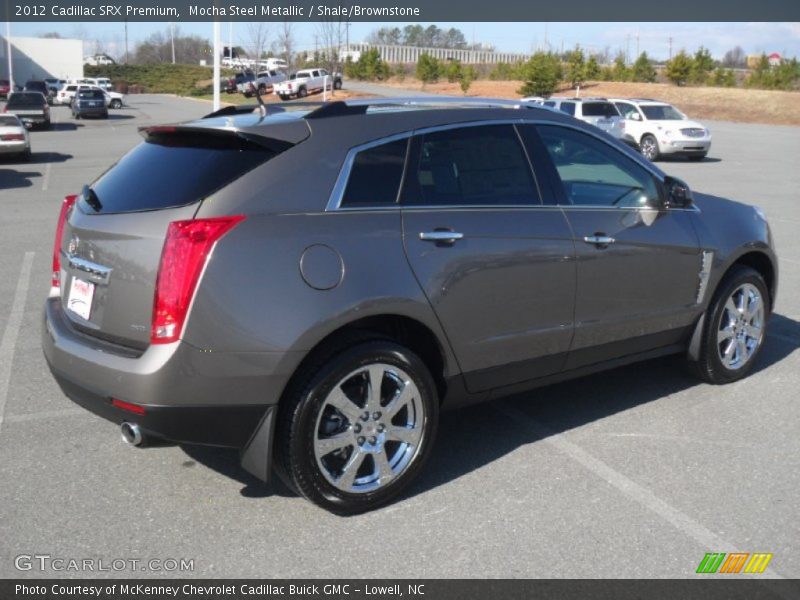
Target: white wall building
[(37, 58)]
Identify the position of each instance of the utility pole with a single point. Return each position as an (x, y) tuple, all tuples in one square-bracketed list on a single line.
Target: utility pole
[(546, 45), (217, 43), (230, 41), (8, 54), (670, 48), (637, 43), (172, 40), (627, 46)]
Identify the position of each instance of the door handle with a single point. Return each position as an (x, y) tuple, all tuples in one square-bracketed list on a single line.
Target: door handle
[(441, 236), (599, 239)]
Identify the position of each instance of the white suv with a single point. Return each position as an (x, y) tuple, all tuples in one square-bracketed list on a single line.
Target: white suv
[(661, 129), (596, 111)]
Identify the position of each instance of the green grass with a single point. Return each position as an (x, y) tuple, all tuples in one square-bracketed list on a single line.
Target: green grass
[(184, 80)]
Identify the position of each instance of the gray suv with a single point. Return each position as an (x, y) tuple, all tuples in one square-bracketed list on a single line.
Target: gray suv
[(207, 289)]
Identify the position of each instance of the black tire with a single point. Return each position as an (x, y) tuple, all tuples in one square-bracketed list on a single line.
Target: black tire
[(709, 366), (284, 97), (648, 146), (697, 157), (337, 84), (302, 92), (26, 156), (116, 103), (262, 90), (301, 408)]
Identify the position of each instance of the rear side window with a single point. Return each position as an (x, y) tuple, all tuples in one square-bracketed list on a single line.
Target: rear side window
[(472, 166), (375, 176), (599, 109), (568, 107), (173, 170)]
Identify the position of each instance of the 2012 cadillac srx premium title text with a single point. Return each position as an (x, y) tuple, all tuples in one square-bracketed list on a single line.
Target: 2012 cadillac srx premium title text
[(313, 284)]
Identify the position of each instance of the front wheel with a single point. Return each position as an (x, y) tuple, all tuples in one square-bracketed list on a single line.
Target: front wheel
[(649, 147), (359, 431), (733, 332)]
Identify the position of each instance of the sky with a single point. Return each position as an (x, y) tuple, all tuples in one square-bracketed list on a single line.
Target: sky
[(653, 38)]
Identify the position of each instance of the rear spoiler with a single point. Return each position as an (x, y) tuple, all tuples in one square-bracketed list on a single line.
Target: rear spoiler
[(277, 137)]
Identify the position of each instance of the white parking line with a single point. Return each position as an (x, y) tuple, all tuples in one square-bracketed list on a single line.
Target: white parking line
[(8, 343), (46, 178), (703, 536)]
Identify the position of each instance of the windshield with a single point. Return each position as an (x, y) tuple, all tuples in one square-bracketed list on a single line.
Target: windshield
[(663, 112)]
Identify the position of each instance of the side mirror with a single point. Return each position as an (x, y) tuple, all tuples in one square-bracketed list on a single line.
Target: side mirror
[(678, 194)]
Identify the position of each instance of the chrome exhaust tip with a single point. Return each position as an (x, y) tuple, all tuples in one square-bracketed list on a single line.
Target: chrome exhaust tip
[(131, 434)]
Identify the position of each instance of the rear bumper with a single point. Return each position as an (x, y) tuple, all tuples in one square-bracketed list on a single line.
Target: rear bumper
[(14, 147), (188, 395)]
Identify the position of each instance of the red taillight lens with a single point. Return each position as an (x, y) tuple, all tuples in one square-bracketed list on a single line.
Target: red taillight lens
[(134, 408), (186, 249), (12, 137), (62, 219)]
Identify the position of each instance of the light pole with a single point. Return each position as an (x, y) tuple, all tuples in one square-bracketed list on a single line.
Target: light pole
[(217, 42), (8, 53), (172, 38)]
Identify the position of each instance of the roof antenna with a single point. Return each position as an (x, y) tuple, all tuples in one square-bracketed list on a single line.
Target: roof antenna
[(261, 105)]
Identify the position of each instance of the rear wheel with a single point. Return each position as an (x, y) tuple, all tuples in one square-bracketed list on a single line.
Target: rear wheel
[(649, 147), (337, 84), (733, 332), (116, 103), (354, 435), (284, 97), (302, 92)]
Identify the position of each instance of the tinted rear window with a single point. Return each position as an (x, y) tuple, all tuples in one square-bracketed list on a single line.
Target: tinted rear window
[(173, 170), (375, 176), (91, 94), (33, 99), (599, 109), (8, 121)]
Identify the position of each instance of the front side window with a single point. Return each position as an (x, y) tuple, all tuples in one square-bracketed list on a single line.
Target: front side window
[(595, 174), (663, 112), (375, 176), (472, 166), (627, 110)]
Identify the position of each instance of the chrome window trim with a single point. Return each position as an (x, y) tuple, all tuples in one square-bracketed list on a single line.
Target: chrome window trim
[(337, 194)]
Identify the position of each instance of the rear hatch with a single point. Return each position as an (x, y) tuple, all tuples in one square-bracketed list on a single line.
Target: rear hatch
[(27, 106), (112, 241)]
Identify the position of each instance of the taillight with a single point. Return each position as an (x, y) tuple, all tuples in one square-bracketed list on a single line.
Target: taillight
[(62, 219), (129, 406), (185, 252), (12, 137)]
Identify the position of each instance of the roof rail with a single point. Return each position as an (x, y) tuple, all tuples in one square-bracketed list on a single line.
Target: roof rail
[(359, 106)]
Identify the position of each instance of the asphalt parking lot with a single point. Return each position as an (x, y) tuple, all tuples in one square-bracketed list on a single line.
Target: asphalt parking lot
[(636, 472)]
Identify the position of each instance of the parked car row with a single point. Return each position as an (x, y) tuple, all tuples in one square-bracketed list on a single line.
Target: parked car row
[(297, 85), (653, 127)]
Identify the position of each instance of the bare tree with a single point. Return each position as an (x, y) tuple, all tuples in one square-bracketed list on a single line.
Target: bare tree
[(735, 57), (332, 33), (284, 45), (258, 36)]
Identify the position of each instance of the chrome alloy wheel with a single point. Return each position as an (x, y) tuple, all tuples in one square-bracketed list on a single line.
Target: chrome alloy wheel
[(741, 327), (369, 428), (649, 148)]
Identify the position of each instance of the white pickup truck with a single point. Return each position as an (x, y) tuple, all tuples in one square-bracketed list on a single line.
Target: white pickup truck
[(264, 82), (307, 81)]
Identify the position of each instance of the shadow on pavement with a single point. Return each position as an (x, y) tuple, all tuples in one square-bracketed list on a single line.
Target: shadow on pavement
[(11, 178), (474, 437)]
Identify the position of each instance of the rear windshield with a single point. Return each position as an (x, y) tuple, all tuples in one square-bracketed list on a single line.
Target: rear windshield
[(91, 94), (22, 99), (9, 121), (599, 109), (173, 170)]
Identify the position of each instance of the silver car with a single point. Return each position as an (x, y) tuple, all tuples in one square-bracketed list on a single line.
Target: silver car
[(313, 284), (14, 137)]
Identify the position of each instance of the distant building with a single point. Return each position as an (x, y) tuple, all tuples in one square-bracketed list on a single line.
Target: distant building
[(774, 59), (38, 58)]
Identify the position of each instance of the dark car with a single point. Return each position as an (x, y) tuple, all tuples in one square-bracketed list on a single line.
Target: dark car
[(39, 86), (445, 251), (5, 88), (233, 84), (89, 103), (31, 108)]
